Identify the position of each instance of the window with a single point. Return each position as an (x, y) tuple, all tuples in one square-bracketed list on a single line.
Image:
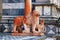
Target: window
[(47, 10), (44, 10), (39, 8), (33, 0), (13, 12), (12, 1), (42, 1)]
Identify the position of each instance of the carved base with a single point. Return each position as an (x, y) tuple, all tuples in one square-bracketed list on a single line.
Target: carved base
[(27, 34)]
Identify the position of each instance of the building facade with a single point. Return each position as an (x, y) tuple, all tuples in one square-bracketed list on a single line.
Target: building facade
[(11, 9), (49, 10)]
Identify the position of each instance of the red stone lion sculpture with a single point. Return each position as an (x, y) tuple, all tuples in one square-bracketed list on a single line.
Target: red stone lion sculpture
[(32, 19)]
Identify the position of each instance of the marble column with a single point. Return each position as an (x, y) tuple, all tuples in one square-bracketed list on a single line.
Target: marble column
[(28, 7)]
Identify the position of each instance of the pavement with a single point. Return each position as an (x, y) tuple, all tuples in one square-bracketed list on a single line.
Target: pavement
[(5, 36)]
